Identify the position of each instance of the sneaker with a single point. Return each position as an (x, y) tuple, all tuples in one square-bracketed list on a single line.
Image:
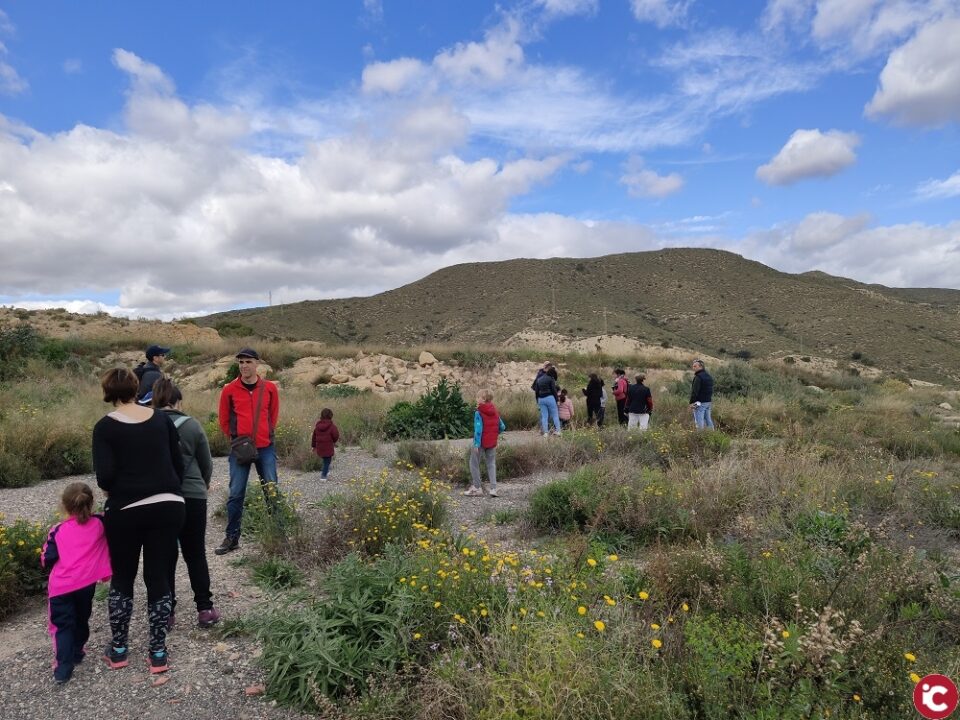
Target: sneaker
[(207, 618), (545, 434), (323, 478), (158, 662), (171, 621), (228, 545), (473, 492), (116, 657), (62, 674), (494, 493)]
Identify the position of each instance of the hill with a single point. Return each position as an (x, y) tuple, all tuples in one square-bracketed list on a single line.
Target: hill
[(715, 301)]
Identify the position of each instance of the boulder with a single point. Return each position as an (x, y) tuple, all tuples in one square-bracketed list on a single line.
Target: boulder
[(339, 379), (361, 383), (426, 359), (814, 389), (945, 406), (379, 381)]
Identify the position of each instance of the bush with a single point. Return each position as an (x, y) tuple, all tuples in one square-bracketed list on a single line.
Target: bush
[(17, 344), (568, 504), (20, 571), (739, 380), (474, 359), (16, 471), (277, 574), (439, 414), (338, 391)]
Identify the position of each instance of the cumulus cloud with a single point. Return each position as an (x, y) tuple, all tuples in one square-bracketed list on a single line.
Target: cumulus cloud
[(11, 83), (808, 154), (938, 189), (569, 7), (492, 60), (905, 255), (643, 182), (392, 76), (221, 225), (661, 13), (920, 84)]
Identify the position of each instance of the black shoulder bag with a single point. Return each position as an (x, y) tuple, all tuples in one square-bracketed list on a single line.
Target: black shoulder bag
[(244, 447)]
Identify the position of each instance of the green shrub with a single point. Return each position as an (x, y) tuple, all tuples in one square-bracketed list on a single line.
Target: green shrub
[(338, 391), (438, 414), (277, 574), (17, 344), (16, 471), (232, 328), (271, 517), (474, 359), (20, 571), (567, 504), (740, 380)]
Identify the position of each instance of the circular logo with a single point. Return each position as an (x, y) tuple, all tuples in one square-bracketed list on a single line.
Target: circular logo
[(935, 697)]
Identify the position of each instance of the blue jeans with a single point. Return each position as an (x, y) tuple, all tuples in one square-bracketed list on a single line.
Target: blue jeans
[(326, 466), (266, 463), (548, 406), (701, 416)]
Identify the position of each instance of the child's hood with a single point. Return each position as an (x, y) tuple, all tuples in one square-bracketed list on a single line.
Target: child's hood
[(488, 410), (324, 424)]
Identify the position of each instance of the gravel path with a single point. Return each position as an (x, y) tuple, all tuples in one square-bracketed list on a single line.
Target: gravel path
[(209, 678)]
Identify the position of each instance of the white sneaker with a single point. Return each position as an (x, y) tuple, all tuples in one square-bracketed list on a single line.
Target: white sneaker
[(472, 492), (494, 493)]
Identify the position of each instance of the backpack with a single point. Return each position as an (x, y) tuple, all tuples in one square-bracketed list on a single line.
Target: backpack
[(139, 370)]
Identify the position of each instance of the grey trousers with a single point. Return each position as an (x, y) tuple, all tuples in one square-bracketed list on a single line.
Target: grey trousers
[(490, 454)]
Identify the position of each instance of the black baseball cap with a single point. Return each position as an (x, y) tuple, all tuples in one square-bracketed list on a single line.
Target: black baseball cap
[(248, 353), (155, 350)]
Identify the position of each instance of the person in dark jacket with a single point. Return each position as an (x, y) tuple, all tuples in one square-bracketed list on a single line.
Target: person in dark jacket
[(197, 471), (325, 436), (137, 460), (149, 372), (546, 389), (701, 396), (639, 404), (594, 392)]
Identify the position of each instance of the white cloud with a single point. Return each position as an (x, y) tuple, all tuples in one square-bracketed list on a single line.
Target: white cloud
[(937, 189), (906, 255), (374, 9), (920, 84), (642, 182), (808, 154), (392, 76), (785, 13), (490, 61), (6, 27), (223, 225), (72, 66), (661, 13), (11, 83), (562, 8)]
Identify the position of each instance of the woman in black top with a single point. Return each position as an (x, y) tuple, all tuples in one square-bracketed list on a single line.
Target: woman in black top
[(594, 392), (136, 456)]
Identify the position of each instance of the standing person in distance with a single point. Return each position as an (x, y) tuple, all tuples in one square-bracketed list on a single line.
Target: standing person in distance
[(545, 386), (150, 371), (639, 404), (77, 557), (594, 393), (565, 408), (620, 394), (325, 436), (137, 460), (249, 409), (197, 471), (487, 426), (701, 396)]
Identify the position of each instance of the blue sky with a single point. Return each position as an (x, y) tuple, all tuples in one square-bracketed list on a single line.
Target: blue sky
[(175, 158)]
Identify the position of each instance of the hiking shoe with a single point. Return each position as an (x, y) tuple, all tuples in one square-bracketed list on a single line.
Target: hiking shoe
[(116, 657), (323, 478), (473, 492), (494, 493), (228, 545), (62, 674), (207, 618), (158, 662)]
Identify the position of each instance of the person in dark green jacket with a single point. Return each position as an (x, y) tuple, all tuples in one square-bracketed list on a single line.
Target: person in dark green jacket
[(198, 469)]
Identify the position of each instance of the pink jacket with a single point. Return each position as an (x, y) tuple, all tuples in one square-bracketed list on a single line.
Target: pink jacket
[(77, 554), (566, 409)]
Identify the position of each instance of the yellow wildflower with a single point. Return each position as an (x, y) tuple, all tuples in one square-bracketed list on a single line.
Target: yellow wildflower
[(591, 562), (910, 657), (657, 644), (599, 625), (582, 610)]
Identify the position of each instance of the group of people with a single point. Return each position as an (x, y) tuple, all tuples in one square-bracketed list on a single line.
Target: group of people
[(634, 402), (153, 463)]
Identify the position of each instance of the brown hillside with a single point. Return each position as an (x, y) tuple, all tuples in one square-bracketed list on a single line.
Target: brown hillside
[(712, 300)]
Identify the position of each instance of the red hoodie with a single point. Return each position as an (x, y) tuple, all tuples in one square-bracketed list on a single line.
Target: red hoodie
[(325, 435), (490, 419)]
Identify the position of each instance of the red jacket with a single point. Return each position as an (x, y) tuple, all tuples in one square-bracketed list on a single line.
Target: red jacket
[(237, 405), (620, 388), (325, 436)]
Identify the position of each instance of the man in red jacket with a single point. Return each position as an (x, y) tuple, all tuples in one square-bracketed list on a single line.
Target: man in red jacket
[(239, 402)]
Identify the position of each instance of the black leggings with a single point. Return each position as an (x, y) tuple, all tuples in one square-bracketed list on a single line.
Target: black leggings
[(154, 528), (193, 545)]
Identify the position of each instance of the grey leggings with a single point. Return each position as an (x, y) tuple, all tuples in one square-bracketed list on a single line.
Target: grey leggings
[(490, 454)]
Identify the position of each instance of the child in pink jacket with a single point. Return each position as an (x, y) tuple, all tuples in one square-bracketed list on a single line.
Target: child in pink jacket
[(565, 408), (76, 555)]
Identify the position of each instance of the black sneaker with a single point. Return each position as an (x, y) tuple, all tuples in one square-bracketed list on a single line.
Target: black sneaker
[(116, 658), (159, 662), (62, 674), (228, 545)]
